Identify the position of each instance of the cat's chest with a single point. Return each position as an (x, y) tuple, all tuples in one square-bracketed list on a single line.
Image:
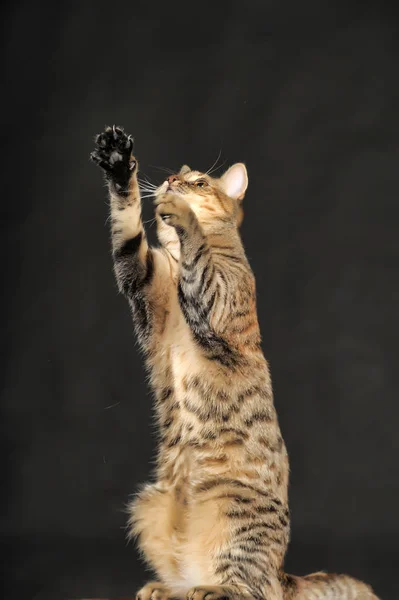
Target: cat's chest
[(178, 344)]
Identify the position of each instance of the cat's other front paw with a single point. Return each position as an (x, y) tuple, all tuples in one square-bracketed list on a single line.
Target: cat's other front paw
[(153, 591), (174, 211), (113, 153)]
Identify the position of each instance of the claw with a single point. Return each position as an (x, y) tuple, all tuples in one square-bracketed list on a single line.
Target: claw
[(100, 141), (100, 161)]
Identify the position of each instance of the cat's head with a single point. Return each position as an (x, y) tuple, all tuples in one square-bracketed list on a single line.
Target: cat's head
[(212, 199)]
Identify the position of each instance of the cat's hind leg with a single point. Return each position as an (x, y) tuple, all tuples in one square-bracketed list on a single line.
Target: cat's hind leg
[(156, 520), (236, 541)]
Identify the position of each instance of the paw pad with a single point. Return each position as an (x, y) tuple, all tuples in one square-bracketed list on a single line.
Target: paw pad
[(113, 153)]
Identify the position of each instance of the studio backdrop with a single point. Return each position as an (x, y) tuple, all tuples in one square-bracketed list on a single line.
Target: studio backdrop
[(307, 95)]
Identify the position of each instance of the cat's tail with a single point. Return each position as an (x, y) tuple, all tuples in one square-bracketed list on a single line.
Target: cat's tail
[(325, 586)]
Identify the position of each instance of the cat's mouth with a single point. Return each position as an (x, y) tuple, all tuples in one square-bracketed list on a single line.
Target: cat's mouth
[(167, 188), (172, 189)]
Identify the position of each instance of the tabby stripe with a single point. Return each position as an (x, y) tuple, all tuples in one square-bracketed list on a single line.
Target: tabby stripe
[(202, 415), (237, 514), (283, 521), (189, 278), (258, 417), (207, 278), (250, 527), (221, 247), (222, 276), (129, 247), (236, 497), (243, 312), (174, 441), (244, 566), (235, 570), (277, 501), (239, 432), (273, 447), (140, 314), (256, 540), (149, 268), (209, 304), (212, 483), (224, 317), (243, 559), (252, 391), (266, 509), (203, 334), (227, 360), (228, 256), (165, 394), (189, 266), (209, 435)]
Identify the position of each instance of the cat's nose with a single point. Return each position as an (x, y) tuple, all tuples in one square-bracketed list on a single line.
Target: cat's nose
[(172, 178)]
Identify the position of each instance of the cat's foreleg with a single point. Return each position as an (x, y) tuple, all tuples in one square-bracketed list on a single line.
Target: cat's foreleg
[(140, 271), (199, 284)]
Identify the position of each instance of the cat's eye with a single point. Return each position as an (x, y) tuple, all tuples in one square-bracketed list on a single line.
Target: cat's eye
[(201, 183)]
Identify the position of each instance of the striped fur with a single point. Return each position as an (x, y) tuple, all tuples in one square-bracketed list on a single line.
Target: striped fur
[(215, 523)]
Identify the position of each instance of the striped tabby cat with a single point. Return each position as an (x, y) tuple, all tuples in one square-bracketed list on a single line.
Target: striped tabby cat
[(215, 524)]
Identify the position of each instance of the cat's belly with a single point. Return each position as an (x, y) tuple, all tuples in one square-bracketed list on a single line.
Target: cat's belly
[(195, 569), (204, 534)]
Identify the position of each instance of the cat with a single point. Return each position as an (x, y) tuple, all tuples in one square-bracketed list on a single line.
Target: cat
[(215, 524)]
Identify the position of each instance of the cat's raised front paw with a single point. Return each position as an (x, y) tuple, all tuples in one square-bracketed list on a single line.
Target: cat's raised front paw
[(113, 153)]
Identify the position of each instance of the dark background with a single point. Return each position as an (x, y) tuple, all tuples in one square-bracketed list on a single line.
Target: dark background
[(307, 94)]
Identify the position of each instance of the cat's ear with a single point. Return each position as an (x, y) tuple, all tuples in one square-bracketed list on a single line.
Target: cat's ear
[(184, 170), (235, 181)]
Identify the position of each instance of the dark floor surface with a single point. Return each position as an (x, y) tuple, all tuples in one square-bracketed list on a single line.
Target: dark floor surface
[(53, 570)]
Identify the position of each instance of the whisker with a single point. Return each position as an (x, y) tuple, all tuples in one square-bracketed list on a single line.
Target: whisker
[(170, 171), (218, 167), (146, 181), (151, 221), (214, 166), (145, 187)]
